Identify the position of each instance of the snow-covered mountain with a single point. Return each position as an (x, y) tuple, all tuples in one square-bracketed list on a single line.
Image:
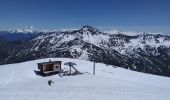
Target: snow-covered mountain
[(145, 52), (26, 33), (26, 30), (19, 82), (130, 33)]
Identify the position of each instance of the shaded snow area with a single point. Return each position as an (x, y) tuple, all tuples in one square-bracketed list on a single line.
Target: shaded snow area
[(19, 82)]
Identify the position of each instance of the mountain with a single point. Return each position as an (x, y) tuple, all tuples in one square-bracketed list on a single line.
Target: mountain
[(149, 53), (19, 82), (20, 34)]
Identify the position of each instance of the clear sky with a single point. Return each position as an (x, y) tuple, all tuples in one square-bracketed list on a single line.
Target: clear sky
[(58, 14)]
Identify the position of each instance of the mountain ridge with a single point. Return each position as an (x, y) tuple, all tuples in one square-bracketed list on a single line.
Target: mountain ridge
[(149, 53)]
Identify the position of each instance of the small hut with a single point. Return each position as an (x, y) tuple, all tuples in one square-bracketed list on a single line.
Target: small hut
[(49, 68)]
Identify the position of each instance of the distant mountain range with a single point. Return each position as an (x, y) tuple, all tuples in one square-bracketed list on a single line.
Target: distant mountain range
[(20, 34), (144, 52)]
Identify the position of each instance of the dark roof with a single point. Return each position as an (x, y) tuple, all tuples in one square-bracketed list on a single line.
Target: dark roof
[(52, 62)]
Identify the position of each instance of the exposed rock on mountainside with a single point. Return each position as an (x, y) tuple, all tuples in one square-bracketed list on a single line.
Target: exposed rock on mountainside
[(146, 52)]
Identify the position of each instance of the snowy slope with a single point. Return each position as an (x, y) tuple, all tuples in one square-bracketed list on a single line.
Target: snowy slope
[(19, 82), (145, 52)]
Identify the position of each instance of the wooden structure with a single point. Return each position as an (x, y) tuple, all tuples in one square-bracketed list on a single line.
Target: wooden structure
[(49, 68)]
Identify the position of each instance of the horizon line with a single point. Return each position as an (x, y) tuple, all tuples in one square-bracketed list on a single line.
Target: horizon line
[(153, 29)]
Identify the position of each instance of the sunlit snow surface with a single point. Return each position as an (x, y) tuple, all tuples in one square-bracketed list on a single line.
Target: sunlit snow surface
[(19, 82)]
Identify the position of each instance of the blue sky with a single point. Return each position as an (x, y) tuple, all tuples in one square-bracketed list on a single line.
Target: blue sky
[(137, 15)]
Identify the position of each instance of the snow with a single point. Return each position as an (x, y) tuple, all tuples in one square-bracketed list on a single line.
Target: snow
[(52, 40), (36, 48), (114, 31), (19, 82), (129, 33), (142, 41), (96, 39), (68, 38), (18, 30), (27, 30), (102, 40), (69, 29), (84, 55)]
